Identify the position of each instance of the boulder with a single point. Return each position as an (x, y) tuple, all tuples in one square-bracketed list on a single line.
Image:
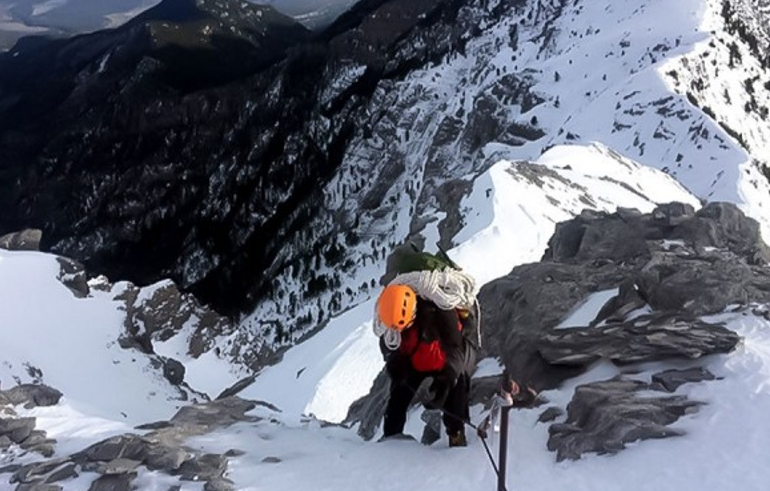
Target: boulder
[(17, 429), (25, 240), (128, 446), (113, 482), (206, 467), (672, 379), (173, 371), (30, 395)]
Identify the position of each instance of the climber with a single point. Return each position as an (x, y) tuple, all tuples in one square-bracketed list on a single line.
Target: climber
[(425, 331)]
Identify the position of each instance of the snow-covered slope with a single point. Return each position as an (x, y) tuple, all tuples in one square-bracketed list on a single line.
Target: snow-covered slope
[(48, 335), (511, 213), (724, 446)]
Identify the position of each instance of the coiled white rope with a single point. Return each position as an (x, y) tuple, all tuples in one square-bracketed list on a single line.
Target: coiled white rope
[(448, 289)]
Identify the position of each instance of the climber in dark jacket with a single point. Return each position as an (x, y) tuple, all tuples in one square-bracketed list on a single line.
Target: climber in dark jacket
[(433, 343)]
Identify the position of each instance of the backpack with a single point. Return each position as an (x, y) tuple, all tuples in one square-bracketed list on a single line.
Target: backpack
[(407, 260)]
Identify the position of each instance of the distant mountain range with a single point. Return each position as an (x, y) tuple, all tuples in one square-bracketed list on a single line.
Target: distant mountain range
[(69, 17)]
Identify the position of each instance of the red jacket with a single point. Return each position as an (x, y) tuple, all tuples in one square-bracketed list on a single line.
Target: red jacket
[(434, 343)]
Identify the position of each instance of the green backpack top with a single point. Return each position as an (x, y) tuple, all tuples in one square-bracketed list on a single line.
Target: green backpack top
[(407, 258)]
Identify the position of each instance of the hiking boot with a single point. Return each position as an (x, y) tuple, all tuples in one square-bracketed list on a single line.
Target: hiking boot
[(458, 439)]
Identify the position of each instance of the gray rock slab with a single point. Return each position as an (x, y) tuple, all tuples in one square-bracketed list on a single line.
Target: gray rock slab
[(113, 482), (5, 442), (603, 417), (215, 414), (46, 449), (128, 446), (36, 437), (9, 469), (17, 429), (158, 425), (203, 468), (68, 471), (674, 378), (167, 458), (219, 484), (30, 395), (38, 486), (118, 466), (646, 338), (550, 414), (36, 471)]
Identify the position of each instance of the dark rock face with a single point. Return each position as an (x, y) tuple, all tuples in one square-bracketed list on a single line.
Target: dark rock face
[(217, 182), (173, 371), (73, 275), (677, 262), (594, 235)]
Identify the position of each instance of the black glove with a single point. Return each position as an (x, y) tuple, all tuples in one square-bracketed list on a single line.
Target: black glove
[(439, 390)]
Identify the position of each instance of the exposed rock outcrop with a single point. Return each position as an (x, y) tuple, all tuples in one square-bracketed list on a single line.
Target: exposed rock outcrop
[(30, 395), (664, 260), (114, 462), (604, 416), (22, 432), (25, 240)]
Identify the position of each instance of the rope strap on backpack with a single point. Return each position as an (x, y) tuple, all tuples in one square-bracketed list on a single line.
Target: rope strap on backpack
[(448, 289)]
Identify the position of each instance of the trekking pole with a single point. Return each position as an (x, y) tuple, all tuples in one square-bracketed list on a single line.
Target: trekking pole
[(503, 458)]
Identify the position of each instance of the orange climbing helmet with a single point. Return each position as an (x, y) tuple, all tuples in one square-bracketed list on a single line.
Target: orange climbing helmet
[(397, 306)]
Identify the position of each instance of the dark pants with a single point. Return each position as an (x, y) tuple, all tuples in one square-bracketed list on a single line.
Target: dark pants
[(455, 409)]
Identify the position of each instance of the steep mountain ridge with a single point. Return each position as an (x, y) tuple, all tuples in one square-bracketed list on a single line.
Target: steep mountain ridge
[(292, 185), (226, 144)]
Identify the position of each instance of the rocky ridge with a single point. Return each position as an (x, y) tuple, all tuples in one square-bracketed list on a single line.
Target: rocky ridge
[(114, 461)]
